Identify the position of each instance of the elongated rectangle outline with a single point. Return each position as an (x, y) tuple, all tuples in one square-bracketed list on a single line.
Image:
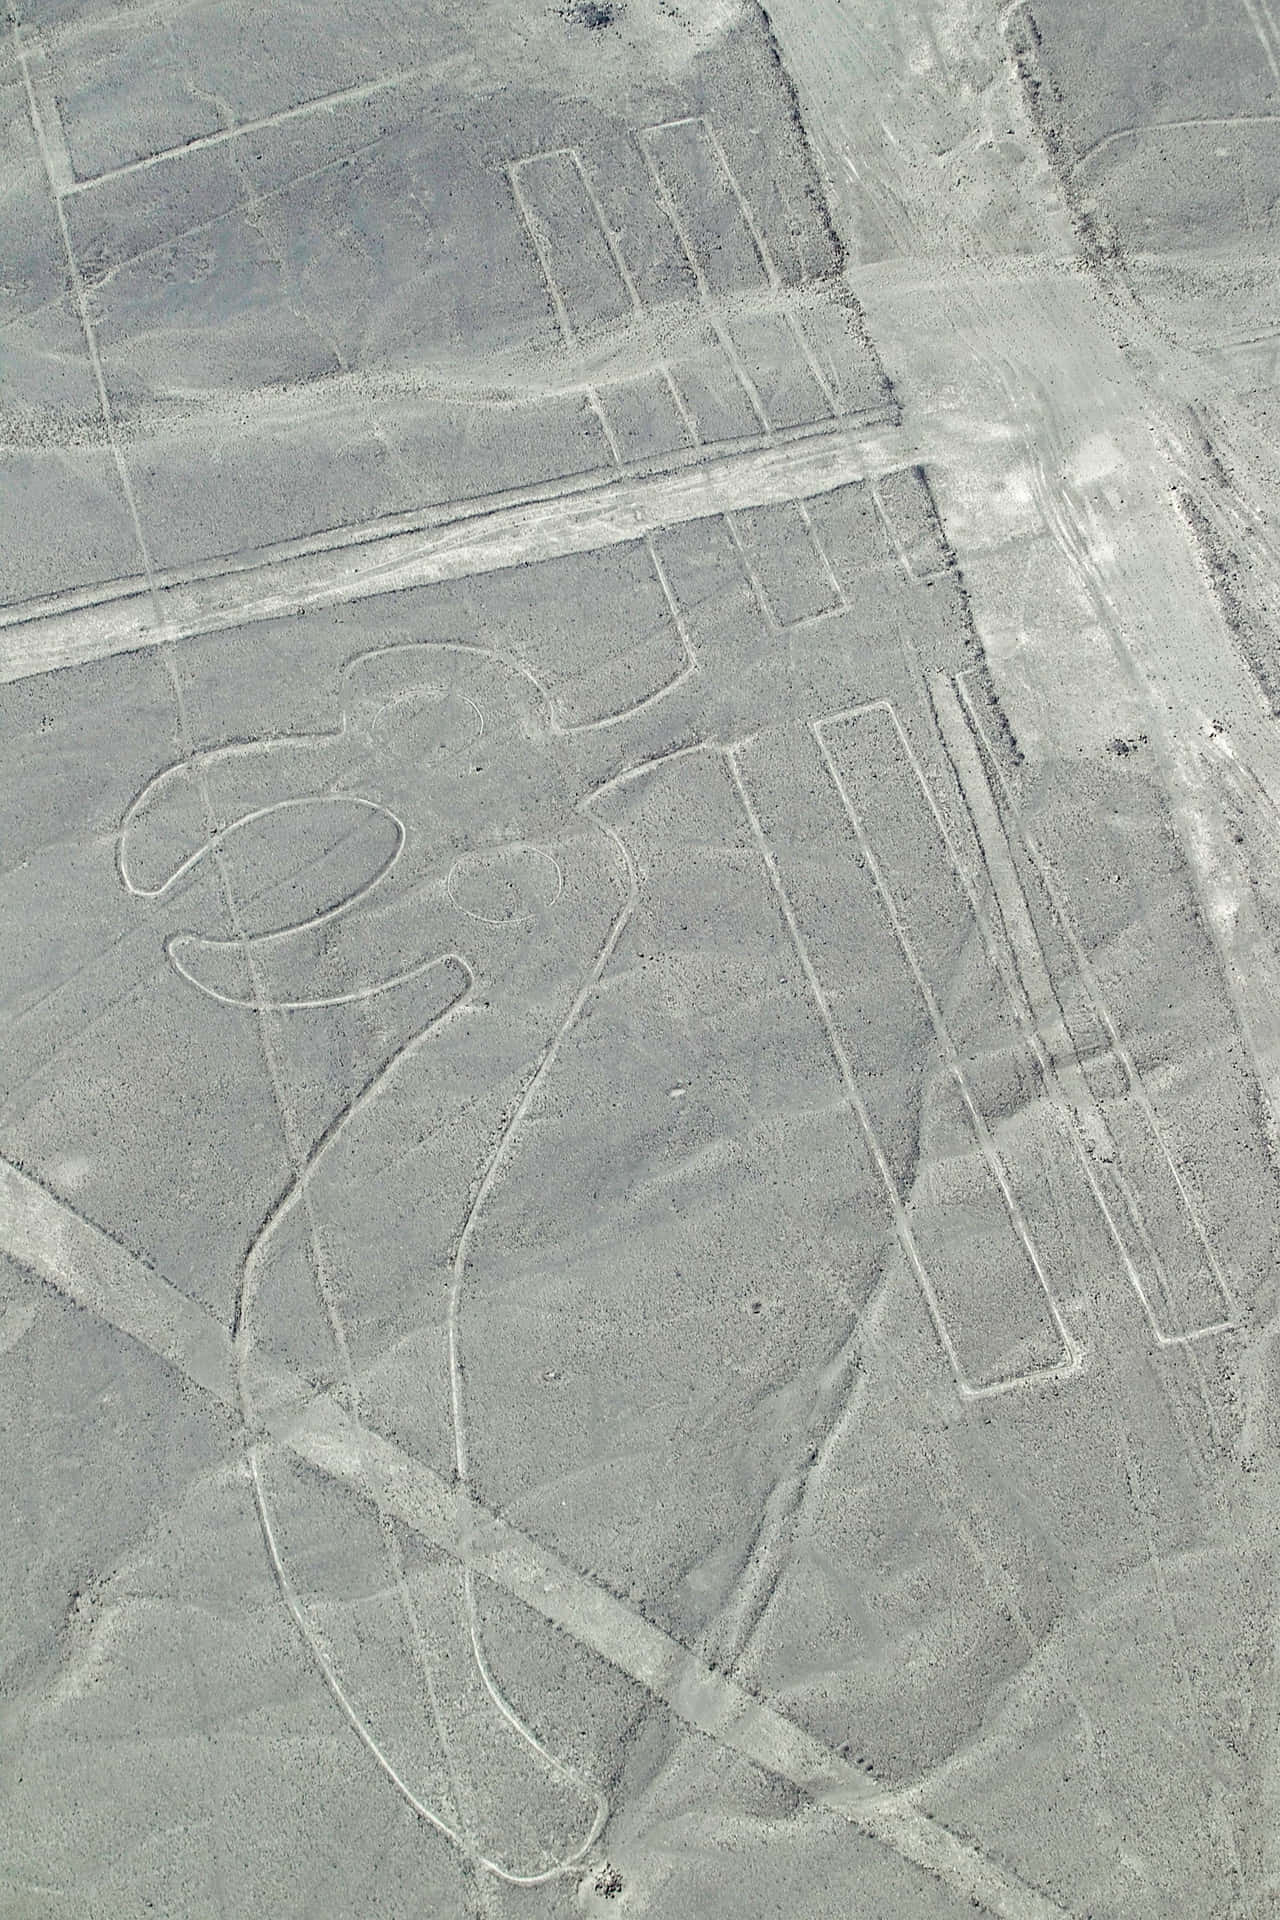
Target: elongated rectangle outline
[(952, 690), (570, 156), (1071, 1360), (838, 602), (906, 1237), (772, 278)]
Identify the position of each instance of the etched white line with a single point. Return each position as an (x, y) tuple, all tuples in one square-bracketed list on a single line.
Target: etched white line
[(48, 1237), (347, 97), (1073, 1357), (46, 115), (51, 634)]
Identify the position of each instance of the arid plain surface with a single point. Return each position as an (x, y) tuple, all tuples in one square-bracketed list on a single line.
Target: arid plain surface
[(639, 675)]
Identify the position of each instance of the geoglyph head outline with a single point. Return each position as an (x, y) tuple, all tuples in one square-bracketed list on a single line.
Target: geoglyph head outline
[(438, 776), (439, 771)]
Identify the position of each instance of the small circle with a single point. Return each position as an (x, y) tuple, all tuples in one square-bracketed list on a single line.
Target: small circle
[(504, 884), (431, 720)]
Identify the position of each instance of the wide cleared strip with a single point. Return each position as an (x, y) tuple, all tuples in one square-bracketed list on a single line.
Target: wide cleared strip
[(45, 1235), (449, 544)]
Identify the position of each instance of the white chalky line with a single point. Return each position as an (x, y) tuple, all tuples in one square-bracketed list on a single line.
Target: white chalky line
[(51, 1239), (361, 563)]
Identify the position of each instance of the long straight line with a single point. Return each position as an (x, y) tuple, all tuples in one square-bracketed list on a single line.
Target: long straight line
[(1047, 1034), (857, 1106), (718, 326), (1098, 1002), (461, 1835), (348, 96), (768, 262), (46, 1236), (87, 328), (937, 1018), (56, 154), (65, 632)]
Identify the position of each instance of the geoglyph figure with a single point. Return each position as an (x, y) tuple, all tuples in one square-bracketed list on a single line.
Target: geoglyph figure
[(486, 906)]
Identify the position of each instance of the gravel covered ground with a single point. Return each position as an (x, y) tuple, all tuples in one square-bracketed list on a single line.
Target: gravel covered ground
[(639, 960)]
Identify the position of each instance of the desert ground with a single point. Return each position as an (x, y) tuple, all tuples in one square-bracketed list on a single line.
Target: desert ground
[(639, 960)]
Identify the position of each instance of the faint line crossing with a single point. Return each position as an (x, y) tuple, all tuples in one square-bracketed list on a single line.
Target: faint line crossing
[(696, 265), (46, 114), (773, 280), (365, 562), (567, 251), (50, 1239), (560, 302), (824, 558), (767, 260), (54, 160), (632, 301)]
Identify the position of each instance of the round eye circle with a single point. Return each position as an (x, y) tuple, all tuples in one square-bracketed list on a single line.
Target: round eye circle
[(499, 886), (426, 722)]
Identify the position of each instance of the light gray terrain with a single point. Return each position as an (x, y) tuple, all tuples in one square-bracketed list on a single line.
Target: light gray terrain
[(639, 959)]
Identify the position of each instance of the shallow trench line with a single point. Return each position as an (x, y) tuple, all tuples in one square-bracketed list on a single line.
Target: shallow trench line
[(49, 1238), (453, 542)]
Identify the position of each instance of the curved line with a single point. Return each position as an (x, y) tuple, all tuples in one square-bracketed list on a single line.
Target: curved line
[(639, 706), (362, 1733), (689, 668), (296, 1189), (1168, 126), (204, 757), (228, 749), (257, 942), (278, 806), (514, 846), (293, 1187), (406, 694), (555, 725), (643, 767), (470, 647), (287, 1006), (498, 1155), (527, 1734), (241, 1346), (505, 1141)]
